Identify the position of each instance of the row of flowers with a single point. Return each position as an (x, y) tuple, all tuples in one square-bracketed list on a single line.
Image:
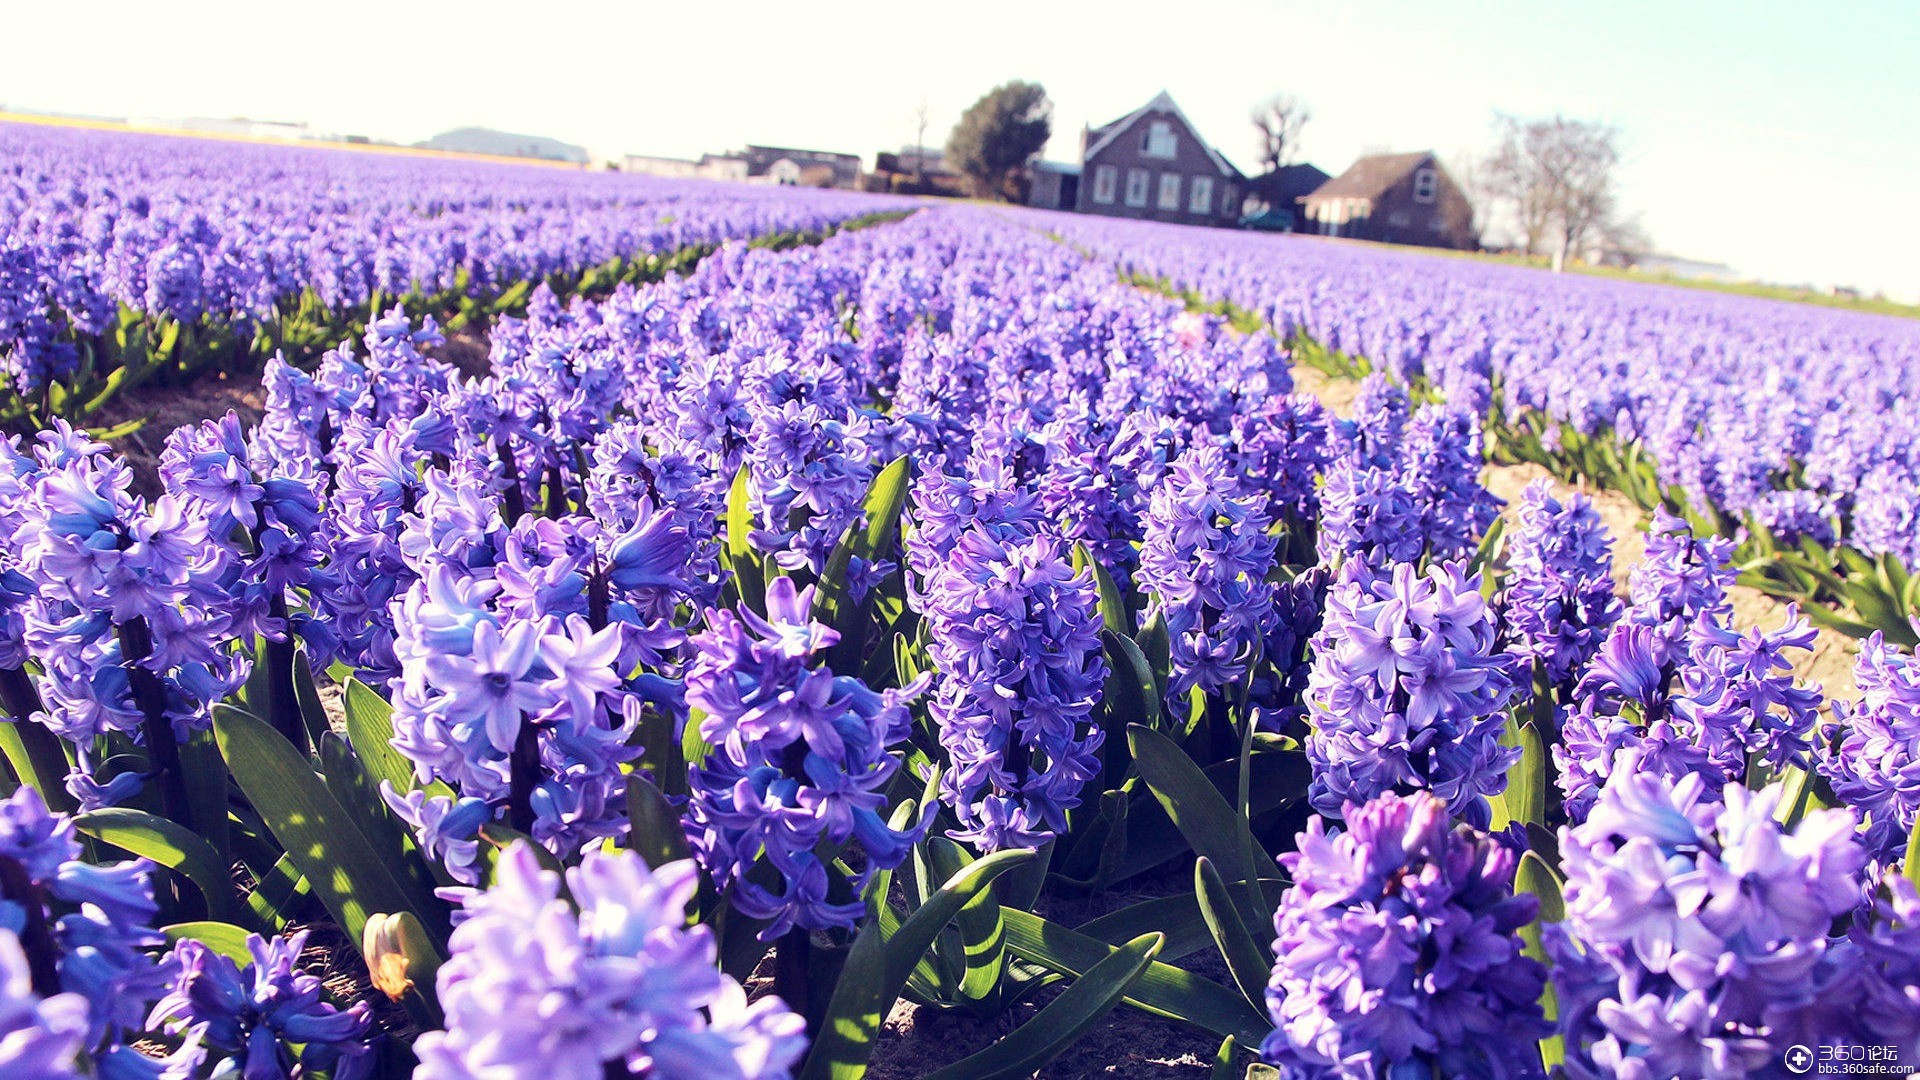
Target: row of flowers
[(827, 613), (1786, 415), (122, 250)]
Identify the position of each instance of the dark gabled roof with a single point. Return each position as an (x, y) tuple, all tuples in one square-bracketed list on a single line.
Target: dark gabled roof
[(1369, 177), (1098, 138), (1287, 184)]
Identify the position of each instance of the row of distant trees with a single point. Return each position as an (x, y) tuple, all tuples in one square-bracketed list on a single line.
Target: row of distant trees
[(1548, 187)]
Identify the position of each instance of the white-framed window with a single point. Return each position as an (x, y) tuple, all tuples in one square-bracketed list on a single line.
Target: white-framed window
[(1200, 196), (1425, 183), (1159, 141), (1105, 179), (1169, 191), (1136, 187)]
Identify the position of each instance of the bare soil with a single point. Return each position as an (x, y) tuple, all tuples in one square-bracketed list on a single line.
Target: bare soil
[(165, 408), (1829, 664)]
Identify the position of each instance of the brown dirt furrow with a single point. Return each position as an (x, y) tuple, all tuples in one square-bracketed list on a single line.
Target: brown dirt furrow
[(1829, 664)]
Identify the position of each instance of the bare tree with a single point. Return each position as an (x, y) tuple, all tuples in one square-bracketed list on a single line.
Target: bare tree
[(1556, 177), (1623, 241), (1279, 120)]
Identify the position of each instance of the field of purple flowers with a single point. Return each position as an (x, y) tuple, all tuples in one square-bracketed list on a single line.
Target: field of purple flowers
[(749, 651), (1786, 427), (126, 258)]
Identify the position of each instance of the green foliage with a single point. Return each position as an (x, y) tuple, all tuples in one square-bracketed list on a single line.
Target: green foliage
[(1056, 1027), (1163, 990), (1000, 133), (880, 963), (167, 843), (353, 878)]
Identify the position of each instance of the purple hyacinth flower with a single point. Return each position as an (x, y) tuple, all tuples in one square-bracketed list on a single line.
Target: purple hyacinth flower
[(1407, 690), (1398, 951), (537, 986)]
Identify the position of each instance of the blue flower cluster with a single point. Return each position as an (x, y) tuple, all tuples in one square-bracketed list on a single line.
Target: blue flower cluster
[(1405, 484), (1015, 634), (1559, 601), (1398, 951), (85, 931), (799, 756), (1407, 690), (1673, 682), (1796, 415), (609, 980), (1696, 941), (256, 1015), (1205, 560), (99, 227), (1875, 766), (131, 615)]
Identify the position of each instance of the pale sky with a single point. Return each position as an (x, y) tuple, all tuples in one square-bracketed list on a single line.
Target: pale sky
[(1782, 139)]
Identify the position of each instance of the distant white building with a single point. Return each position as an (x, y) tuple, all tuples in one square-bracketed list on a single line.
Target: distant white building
[(1675, 266), (723, 167), (674, 168), (236, 127)]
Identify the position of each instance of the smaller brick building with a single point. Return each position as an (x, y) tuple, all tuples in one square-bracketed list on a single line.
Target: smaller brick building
[(1394, 199), (1149, 164)]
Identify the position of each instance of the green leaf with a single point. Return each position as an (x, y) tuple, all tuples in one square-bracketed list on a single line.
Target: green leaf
[(388, 835), (1249, 964), (1177, 916), (313, 712), (370, 732), (654, 832), (226, 939), (281, 891), (349, 877), (1164, 990), (1534, 876), (1912, 866), (1113, 606), (499, 837), (168, 843), (878, 966), (740, 514), (1131, 696), (1157, 647), (1204, 817), (206, 780), (1223, 1061), (1833, 620), (886, 499), (1794, 796), (1153, 839), (1485, 557), (120, 430), (749, 576), (983, 938), (1526, 794), (906, 667), (1058, 1026), (39, 761)]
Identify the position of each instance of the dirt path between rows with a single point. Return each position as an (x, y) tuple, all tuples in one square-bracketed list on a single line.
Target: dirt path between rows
[(1830, 664)]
